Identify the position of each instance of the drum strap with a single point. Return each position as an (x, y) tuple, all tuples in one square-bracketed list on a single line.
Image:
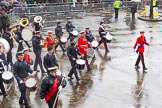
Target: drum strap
[(53, 90)]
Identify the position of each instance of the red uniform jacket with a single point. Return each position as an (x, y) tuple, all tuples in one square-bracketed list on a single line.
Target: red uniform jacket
[(27, 58), (140, 40), (49, 42), (82, 45)]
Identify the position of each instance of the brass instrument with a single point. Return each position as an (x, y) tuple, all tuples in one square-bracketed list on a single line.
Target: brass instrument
[(24, 22), (37, 19)]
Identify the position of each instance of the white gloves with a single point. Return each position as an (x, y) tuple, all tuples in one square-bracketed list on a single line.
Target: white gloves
[(21, 81), (60, 88)]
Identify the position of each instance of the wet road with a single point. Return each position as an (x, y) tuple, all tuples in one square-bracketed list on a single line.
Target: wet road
[(113, 81)]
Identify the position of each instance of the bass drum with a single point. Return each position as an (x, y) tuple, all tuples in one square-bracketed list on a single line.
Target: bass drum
[(5, 45), (27, 34)]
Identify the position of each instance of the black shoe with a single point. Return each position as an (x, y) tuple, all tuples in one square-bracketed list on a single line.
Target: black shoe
[(78, 79), (27, 105), (70, 77), (137, 67), (144, 69), (21, 102)]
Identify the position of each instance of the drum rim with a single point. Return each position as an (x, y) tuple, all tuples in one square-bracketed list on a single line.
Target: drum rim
[(33, 82), (11, 74), (80, 60)]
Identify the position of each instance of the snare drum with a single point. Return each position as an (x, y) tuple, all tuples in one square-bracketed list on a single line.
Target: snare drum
[(80, 64), (90, 52), (7, 77), (108, 37), (63, 40), (31, 84), (94, 43)]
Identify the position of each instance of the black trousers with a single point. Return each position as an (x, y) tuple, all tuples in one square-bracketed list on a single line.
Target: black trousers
[(38, 60), (73, 70), (20, 47), (61, 45), (86, 60), (140, 57), (9, 57), (103, 40), (116, 12), (1, 84), (51, 102), (22, 89), (70, 36), (133, 15), (26, 42)]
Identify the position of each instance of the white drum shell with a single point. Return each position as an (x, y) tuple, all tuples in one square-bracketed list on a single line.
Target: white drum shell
[(108, 36), (80, 64), (31, 84), (4, 42), (27, 34), (7, 77)]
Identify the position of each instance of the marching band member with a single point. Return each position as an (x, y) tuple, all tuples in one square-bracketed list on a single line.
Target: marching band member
[(102, 33), (72, 53), (50, 40), (38, 26), (59, 34), (82, 48), (19, 38), (20, 71), (37, 48), (7, 35), (69, 28), (141, 41), (50, 60), (2, 60), (89, 37), (51, 86)]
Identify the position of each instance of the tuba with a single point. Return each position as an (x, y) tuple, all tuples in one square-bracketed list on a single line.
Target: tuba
[(37, 19), (24, 22)]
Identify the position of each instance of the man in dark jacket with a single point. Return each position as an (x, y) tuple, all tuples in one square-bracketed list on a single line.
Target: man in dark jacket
[(69, 28), (133, 10), (59, 33), (50, 60), (51, 86), (20, 71), (9, 38), (72, 55), (37, 48)]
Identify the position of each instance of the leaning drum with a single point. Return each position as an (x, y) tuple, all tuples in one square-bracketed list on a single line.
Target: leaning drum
[(80, 64), (63, 40), (108, 37), (5, 44), (94, 44), (31, 84), (27, 34), (7, 77)]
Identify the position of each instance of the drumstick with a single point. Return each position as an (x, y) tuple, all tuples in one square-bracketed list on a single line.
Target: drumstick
[(3, 66), (57, 94)]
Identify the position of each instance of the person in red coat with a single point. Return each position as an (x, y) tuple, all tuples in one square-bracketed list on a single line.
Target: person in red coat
[(82, 48), (50, 39), (141, 41), (27, 56)]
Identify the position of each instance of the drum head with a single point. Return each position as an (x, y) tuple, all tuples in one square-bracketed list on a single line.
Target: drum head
[(4, 42), (27, 34), (108, 36), (7, 75), (80, 61), (30, 82), (63, 39), (94, 43)]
